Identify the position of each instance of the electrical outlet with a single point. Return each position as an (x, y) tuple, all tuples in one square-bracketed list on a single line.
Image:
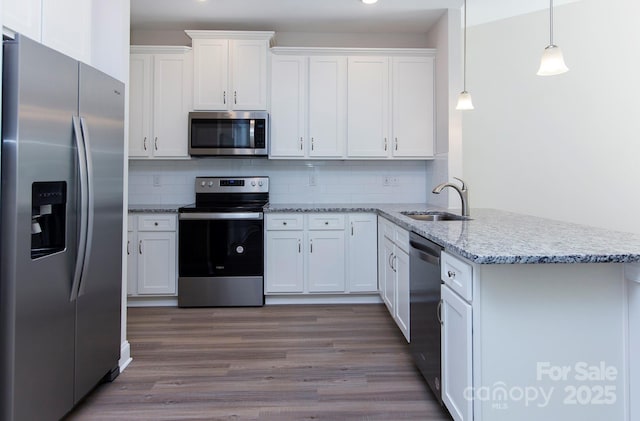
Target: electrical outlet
[(156, 181), (388, 181)]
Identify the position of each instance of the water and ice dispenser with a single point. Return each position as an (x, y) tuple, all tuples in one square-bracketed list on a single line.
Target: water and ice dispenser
[(48, 217)]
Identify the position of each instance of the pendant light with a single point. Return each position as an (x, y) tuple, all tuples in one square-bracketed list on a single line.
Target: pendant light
[(464, 99), (552, 62)]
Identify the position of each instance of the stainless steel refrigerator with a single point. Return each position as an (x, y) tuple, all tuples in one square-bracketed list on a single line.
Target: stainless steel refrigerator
[(61, 230)]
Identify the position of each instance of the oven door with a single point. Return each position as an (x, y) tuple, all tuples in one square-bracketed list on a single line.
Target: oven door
[(220, 259)]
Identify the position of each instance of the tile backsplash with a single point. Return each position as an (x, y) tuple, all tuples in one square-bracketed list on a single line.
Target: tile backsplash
[(172, 182)]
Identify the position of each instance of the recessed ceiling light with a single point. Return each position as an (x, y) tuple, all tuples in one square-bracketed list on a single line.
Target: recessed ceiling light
[(369, 1)]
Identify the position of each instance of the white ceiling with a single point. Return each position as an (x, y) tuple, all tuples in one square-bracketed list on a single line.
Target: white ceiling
[(395, 16)]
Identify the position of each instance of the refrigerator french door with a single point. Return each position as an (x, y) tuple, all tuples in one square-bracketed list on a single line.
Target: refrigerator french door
[(61, 230)]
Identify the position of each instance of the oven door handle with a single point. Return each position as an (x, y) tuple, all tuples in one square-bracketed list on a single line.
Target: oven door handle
[(220, 216)]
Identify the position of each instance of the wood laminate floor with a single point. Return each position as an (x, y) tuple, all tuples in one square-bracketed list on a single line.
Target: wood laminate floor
[(311, 362)]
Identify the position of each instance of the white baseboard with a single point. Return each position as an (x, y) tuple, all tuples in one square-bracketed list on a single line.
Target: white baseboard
[(323, 299), (125, 355), (152, 301)]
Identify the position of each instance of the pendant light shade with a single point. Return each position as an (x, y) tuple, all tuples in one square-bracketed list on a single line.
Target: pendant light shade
[(552, 62), (464, 99)]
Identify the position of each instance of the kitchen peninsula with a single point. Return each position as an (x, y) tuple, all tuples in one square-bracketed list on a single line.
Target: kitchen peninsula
[(546, 322)]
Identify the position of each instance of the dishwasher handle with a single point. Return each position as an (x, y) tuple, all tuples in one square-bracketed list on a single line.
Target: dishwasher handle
[(425, 253)]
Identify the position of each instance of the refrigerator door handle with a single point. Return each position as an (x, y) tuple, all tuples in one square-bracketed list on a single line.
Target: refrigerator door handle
[(82, 237), (90, 201)]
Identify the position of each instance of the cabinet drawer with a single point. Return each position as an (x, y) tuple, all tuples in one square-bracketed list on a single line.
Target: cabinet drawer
[(285, 221), (326, 221), (457, 274), (157, 222)]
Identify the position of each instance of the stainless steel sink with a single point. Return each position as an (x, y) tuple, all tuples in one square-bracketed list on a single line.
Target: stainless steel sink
[(435, 216)]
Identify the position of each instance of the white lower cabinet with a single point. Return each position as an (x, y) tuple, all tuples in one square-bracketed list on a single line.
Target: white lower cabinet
[(394, 272), (151, 251), (457, 354), (317, 253)]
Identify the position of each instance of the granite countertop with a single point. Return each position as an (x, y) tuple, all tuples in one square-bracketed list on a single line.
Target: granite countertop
[(154, 208), (495, 236)]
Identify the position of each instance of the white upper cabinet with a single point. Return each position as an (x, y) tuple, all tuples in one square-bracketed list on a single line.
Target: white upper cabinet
[(327, 106), (308, 106), (64, 25), (288, 105), (368, 129), (413, 106), (230, 70), (23, 16), (159, 102), (352, 103)]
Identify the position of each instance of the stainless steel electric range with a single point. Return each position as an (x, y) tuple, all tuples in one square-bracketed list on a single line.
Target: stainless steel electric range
[(220, 243)]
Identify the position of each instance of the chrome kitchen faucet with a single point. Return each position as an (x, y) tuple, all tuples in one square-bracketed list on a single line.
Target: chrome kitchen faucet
[(462, 191)]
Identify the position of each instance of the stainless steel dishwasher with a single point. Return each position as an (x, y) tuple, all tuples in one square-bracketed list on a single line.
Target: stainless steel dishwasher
[(424, 279)]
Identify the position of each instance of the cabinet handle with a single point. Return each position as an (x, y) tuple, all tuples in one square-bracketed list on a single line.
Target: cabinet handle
[(451, 274), (310, 246), (128, 244), (155, 223), (235, 97), (299, 246), (311, 143), (155, 143), (301, 142), (352, 229), (391, 261), (439, 312), (144, 143), (326, 222), (284, 222), (396, 143), (395, 260), (385, 143), (140, 246), (224, 97)]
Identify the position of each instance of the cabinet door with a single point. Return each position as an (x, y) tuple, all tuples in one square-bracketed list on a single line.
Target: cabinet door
[(413, 106), (140, 103), (326, 261), (249, 74), (156, 263), (210, 74), (170, 115), (327, 106), (401, 265), (389, 292), (362, 253), (456, 354), (284, 271), (66, 27), (368, 109), (132, 264), (23, 16), (288, 105)]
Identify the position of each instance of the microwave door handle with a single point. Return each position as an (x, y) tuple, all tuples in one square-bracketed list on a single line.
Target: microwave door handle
[(252, 133)]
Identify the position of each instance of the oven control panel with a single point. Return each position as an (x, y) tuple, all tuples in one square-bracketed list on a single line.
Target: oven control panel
[(232, 185)]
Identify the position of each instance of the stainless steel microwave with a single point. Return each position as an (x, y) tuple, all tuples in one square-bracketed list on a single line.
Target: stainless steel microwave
[(235, 133)]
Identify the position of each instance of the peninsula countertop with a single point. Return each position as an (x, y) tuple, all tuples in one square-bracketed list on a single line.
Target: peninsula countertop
[(497, 237)]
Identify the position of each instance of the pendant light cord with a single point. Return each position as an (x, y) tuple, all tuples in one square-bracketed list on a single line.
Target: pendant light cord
[(464, 56), (550, 22)]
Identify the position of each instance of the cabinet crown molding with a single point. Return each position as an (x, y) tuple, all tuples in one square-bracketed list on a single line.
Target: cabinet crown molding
[(320, 51), (206, 34), (159, 49)]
